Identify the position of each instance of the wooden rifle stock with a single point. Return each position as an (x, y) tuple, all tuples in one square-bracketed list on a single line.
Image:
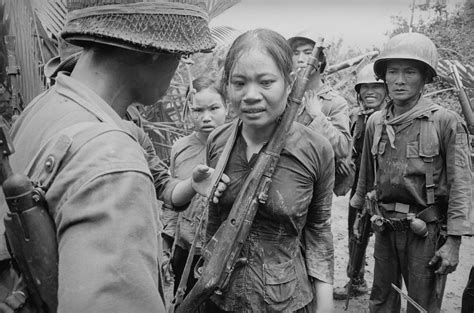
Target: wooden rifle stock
[(223, 251)]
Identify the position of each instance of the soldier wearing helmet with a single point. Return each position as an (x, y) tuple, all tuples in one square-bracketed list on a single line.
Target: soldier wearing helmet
[(415, 158), (324, 111), (98, 185), (371, 95)]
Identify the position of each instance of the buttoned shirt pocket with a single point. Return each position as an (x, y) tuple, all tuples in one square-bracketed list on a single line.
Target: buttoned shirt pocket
[(415, 164), (280, 284)]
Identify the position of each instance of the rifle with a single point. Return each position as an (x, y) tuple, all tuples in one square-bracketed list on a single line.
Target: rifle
[(30, 231), (222, 253), (465, 106), (362, 230), (13, 72), (351, 62), (410, 300), (181, 290)]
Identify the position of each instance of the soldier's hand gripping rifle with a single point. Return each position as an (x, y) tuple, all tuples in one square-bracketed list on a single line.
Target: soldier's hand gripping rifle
[(465, 106), (30, 232), (223, 250), (362, 230)]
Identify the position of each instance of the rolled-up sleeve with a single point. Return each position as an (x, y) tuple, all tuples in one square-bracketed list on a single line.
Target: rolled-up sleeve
[(318, 240)]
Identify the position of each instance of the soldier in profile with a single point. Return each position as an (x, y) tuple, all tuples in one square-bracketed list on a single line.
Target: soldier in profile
[(99, 188)]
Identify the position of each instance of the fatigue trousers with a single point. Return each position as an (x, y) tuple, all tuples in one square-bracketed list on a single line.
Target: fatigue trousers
[(404, 254), (468, 294)]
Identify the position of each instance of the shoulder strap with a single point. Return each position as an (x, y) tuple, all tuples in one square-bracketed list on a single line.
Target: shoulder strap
[(44, 166), (223, 159), (428, 148)]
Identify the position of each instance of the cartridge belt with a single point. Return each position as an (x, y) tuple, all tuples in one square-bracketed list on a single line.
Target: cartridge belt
[(397, 221)]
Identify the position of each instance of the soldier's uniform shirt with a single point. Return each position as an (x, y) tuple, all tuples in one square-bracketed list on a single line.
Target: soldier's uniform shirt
[(401, 170), (102, 200), (334, 125), (186, 153), (401, 179), (296, 217)]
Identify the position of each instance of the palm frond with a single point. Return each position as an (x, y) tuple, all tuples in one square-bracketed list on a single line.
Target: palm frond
[(224, 35), (52, 14), (213, 7)]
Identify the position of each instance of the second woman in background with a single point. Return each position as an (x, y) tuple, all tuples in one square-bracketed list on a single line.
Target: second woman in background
[(207, 111)]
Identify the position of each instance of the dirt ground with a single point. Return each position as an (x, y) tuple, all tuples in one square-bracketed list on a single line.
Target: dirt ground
[(455, 282)]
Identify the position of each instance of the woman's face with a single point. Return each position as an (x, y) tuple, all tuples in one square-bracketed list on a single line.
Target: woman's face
[(257, 89), (207, 111)]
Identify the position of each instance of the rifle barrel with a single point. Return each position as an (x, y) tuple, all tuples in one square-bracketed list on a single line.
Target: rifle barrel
[(412, 302), (463, 99)]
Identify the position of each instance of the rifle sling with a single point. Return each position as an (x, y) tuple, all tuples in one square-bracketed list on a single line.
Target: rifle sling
[(223, 159)]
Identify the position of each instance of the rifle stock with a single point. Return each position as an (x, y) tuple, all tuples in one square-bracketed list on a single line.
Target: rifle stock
[(224, 249)]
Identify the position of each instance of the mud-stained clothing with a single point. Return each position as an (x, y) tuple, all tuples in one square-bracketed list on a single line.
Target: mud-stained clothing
[(426, 144), (290, 240)]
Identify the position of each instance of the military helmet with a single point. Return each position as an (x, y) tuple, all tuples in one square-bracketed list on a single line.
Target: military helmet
[(313, 37), (151, 26), (307, 35), (367, 76), (410, 46)]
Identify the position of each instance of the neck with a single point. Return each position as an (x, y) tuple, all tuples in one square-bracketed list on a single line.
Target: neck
[(202, 136), (107, 79), (257, 137), (400, 107)]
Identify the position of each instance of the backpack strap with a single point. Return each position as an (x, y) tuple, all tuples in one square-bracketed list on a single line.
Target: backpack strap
[(44, 166), (428, 149)]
